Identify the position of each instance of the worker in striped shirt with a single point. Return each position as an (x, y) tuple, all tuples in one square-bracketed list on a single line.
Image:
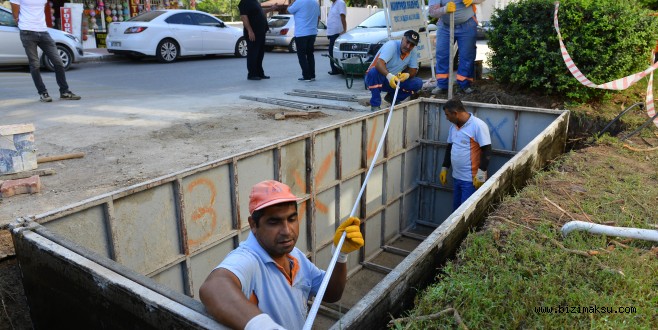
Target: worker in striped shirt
[(468, 152)]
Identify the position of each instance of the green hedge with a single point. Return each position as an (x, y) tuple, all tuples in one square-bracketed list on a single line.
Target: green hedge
[(607, 39)]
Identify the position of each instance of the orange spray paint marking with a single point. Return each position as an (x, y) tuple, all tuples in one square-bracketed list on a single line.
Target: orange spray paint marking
[(200, 213)]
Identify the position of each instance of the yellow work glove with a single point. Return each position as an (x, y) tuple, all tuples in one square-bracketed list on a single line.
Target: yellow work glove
[(443, 177), (392, 80), (403, 76), (450, 7), (353, 238), (467, 2), (479, 178)]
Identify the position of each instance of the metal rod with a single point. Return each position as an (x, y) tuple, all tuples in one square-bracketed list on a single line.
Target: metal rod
[(271, 101), (328, 96)]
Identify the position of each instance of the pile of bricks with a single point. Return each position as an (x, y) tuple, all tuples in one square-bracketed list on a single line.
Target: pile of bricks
[(31, 185)]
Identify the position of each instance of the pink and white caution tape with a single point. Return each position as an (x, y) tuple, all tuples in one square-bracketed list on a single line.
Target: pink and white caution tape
[(619, 84)]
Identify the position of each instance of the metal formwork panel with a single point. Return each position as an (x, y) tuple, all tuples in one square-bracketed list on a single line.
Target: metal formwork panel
[(373, 235), (411, 169), (410, 209), (203, 263), (375, 189), (325, 216), (393, 178), (207, 200), (533, 124), (172, 277), (252, 170), (501, 127), (293, 167), (303, 243), (146, 231), (374, 128), (87, 228), (414, 124), (324, 162), (349, 189), (395, 134), (351, 150), (392, 221)]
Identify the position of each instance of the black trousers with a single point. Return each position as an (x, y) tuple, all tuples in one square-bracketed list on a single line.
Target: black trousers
[(332, 41), (255, 54), (305, 55)]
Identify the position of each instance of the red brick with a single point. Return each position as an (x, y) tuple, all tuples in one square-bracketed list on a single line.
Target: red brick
[(31, 185)]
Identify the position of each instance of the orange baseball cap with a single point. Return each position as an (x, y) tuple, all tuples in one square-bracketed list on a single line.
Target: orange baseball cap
[(268, 193)]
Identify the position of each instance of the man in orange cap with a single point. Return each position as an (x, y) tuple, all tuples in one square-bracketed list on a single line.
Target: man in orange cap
[(265, 283)]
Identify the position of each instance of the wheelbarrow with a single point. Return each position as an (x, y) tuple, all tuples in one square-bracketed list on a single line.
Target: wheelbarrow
[(351, 67)]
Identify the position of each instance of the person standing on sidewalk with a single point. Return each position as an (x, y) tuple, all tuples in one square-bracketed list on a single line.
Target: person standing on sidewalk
[(255, 26), (336, 25), (31, 18), (307, 16), (465, 35)]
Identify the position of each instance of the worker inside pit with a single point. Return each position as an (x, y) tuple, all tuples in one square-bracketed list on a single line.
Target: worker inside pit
[(266, 282)]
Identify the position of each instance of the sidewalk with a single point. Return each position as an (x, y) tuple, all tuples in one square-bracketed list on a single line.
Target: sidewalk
[(98, 55)]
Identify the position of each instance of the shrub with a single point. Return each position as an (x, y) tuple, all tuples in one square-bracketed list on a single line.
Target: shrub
[(607, 40)]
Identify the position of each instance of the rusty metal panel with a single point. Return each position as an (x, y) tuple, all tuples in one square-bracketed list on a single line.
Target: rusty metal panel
[(87, 228), (414, 124), (172, 278), (375, 128), (325, 216), (324, 162), (203, 263), (395, 134), (393, 178), (533, 124), (375, 188), (147, 232), (351, 151), (411, 168), (373, 235), (293, 166), (501, 126), (392, 223), (304, 225), (252, 170), (349, 189), (207, 199)]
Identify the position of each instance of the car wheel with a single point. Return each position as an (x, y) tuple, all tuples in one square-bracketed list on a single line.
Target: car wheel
[(241, 48), (167, 51), (64, 54), (292, 48)]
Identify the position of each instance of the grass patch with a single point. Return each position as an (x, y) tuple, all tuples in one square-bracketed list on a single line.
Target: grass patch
[(509, 274)]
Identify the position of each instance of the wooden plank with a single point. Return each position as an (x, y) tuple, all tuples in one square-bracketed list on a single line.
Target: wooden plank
[(414, 236), (377, 268), (394, 250), (60, 157), (27, 174)]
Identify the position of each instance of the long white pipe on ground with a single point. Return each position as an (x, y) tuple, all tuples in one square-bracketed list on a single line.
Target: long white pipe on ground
[(644, 234)]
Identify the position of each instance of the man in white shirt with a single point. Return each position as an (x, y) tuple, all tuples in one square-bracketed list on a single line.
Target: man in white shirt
[(336, 25), (31, 18)]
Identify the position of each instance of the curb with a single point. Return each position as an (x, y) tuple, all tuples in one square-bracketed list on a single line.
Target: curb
[(95, 58)]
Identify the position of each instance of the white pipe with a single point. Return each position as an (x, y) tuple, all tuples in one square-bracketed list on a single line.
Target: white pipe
[(325, 281), (644, 234)]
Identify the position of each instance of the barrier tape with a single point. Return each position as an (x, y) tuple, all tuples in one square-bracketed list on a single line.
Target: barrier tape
[(619, 84)]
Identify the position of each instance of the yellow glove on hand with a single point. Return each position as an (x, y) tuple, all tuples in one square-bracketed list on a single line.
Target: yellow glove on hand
[(392, 80), (403, 76), (450, 7), (353, 238), (443, 177), (467, 2), (479, 178)]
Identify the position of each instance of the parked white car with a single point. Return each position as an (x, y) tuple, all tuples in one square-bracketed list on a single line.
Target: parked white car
[(367, 38), (170, 34), (282, 31), (12, 52)]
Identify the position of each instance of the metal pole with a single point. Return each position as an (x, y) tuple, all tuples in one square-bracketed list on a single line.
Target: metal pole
[(451, 58)]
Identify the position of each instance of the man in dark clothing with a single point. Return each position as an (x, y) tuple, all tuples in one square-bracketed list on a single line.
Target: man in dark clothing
[(255, 26)]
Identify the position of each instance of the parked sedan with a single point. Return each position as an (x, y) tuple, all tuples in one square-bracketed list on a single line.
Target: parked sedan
[(282, 31), (12, 52), (170, 34)]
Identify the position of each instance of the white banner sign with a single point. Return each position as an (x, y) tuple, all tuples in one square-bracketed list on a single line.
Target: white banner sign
[(406, 14)]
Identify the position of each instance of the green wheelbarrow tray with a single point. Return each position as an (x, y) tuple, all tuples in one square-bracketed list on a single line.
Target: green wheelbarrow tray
[(351, 67)]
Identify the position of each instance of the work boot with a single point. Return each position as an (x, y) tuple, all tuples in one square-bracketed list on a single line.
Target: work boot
[(68, 96), (468, 90), (389, 98), (44, 97), (374, 108), (439, 91)]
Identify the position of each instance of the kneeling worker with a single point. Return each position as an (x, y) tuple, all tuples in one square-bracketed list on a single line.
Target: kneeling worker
[(265, 283), (395, 63)]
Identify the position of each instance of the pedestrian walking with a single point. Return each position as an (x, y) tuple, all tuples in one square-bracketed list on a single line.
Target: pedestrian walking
[(31, 18), (307, 16), (336, 25), (255, 26), (465, 34), (395, 63), (266, 282), (468, 152)]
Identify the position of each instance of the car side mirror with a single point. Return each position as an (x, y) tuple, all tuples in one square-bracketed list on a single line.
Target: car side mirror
[(221, 24)]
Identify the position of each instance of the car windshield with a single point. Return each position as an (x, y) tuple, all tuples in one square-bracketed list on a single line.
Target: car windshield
[(377, 20), (278, 21), (147, 16)]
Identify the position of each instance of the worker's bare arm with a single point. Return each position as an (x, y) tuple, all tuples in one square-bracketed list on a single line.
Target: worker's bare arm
[(336, 283), (222, 295)]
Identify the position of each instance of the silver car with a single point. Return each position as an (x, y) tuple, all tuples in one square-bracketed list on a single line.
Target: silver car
[(12, 52), (282, 31)]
